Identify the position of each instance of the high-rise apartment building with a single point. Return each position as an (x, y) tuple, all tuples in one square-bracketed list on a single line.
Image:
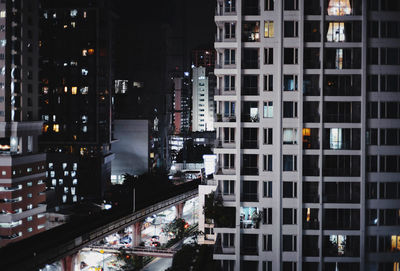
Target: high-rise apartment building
[(308, 119), (76, 82), (203, 85), (22, 167)]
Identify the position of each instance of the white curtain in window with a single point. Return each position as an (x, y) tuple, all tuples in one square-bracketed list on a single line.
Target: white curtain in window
[(336, 138), (336, 32), (339, 7), (289, 135)]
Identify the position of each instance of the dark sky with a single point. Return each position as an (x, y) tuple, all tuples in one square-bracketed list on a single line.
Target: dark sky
[(141, 23)]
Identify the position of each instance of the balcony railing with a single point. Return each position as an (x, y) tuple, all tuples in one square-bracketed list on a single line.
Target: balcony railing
[(250, 91), (250, 118), (349, 172), (249, 197), (250, 171), (249, 144), (220, 118), (249, 250), (310, 225), (310, 198), (311, 171)]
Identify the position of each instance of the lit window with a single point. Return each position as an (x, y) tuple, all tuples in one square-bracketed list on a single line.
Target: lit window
[(335, 138), (74, 199), (66, 190), (74, 90), (339, 7), (84, 52), (73, 13), (29, 230), (73, 173), (75, 181), (54, 182), (84, 14), (2, 14), (3, 172), (289, 136), (268, 111), (73, 24), (29, 195), (72, 190), (84, 129), (66, 173), (51, 165), (60, 181), (90, 52), (3, 43), (65, 89), (269, 29), (84, 90), (395, 243), (64, 198), (75, 166), (85, 72), (29, 206), (29, 184), (29, 218), (336, 32), (56, 128)]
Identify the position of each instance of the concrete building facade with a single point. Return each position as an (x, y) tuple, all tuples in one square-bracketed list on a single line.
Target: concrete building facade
[(22, 180), (307, 123)]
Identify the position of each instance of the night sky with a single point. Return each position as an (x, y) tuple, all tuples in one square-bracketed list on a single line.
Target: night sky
[(141, 25)]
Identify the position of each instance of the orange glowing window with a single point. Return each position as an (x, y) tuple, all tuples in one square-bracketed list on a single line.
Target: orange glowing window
[(74, 90), (395, 243), (308, 214), (56, 128), (45, 128), (91, 52), (306, 131)]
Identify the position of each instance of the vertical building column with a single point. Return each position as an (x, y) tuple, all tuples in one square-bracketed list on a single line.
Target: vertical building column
[(137, 233), (68, 263), (179, 209)]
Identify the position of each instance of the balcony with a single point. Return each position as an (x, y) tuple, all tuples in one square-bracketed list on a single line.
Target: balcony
[(225, 118), (341, 172), (250, 218), (225, 91), (252, 171), (249, 197), (219, 247), (310, 198), (310, 225), (250, 91), (310, 171), (250, 117), (249, 144)]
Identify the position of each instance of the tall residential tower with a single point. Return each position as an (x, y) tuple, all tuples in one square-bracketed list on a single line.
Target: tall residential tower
[(308, 111), (76, 82), (22, 180)]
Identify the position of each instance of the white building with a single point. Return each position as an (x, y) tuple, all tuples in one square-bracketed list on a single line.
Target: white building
[(308, 124), (202, 99)]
